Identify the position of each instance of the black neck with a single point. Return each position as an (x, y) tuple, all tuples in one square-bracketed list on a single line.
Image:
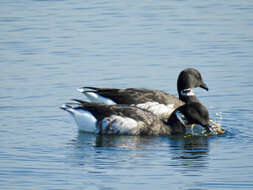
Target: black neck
[(188, 99)]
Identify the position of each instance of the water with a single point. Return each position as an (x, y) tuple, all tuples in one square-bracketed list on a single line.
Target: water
[(50, 48)]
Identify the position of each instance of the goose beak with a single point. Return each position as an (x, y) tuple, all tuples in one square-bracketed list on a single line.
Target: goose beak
[(208, 128), (204, 86)]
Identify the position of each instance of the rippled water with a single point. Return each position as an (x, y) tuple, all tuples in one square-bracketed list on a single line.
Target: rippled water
[(50, 48)]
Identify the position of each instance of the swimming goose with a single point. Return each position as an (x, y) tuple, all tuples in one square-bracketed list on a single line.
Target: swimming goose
[(100, 118), (158, 102)]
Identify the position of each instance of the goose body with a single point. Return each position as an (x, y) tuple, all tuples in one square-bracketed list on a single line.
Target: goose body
[(158, 102), (100, 118)]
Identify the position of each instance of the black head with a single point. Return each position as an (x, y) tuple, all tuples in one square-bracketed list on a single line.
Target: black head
[(190, 78), (191, 113)]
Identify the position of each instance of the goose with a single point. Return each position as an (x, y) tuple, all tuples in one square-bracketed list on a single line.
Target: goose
[(121, 119), (158, 102)]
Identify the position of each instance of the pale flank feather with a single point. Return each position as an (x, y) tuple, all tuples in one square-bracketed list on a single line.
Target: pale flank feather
[(119, 125), (158, 109)]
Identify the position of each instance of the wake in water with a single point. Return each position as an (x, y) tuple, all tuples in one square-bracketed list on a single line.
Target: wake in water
[(216, 124)]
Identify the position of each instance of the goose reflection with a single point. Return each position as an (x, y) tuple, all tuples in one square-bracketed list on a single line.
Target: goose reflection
[(127, 142), (189, 153)]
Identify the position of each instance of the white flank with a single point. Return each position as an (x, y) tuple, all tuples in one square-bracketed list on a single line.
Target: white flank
[(84, 120), (119, 125), (94, 97), (181, 118), (157, 108)]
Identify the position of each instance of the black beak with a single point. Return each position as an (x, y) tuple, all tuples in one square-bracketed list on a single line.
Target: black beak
[(208, 128), (204, 86)]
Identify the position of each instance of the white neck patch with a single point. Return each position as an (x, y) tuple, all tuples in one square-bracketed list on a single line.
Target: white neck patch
[(187, 92), (181, 118)]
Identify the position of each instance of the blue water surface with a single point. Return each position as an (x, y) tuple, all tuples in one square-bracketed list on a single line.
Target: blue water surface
[(50, 48)]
